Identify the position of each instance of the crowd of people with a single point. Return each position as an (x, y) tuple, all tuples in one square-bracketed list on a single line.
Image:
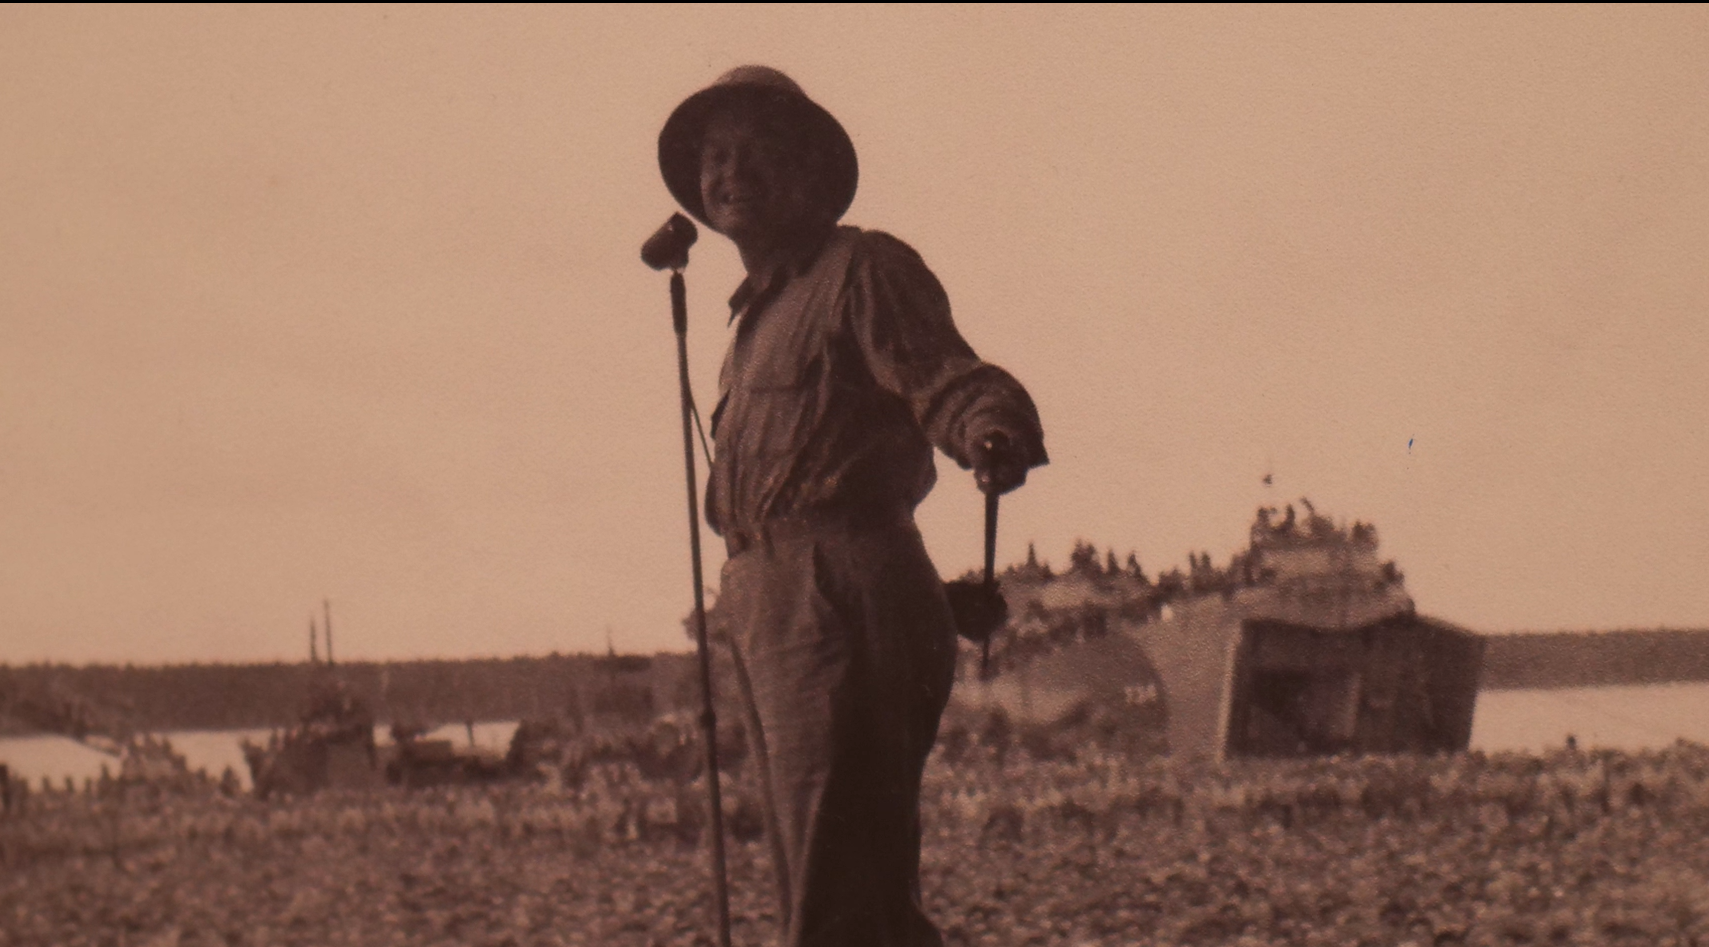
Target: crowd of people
[(1075, 848)]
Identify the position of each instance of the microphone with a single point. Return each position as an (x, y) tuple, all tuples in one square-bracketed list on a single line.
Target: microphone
[(667, 248)]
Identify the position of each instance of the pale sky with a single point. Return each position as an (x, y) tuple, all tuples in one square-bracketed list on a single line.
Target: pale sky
[(346, 303)]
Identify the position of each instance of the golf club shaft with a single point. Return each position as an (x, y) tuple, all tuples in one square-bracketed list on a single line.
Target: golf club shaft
[(990, 570)]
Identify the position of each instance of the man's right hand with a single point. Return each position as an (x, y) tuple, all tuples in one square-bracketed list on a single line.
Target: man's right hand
[(979, 609), (997, 467)]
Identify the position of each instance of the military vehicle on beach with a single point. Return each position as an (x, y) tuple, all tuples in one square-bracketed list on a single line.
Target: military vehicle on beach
[(331, 747)]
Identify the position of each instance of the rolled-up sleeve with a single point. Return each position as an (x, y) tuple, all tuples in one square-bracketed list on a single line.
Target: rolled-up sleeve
[(900, 316)]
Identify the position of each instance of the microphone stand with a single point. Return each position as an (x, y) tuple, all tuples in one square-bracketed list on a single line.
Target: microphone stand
[(676, 257)]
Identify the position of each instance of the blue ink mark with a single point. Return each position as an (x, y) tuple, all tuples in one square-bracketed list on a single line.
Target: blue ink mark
[(1409, 445)]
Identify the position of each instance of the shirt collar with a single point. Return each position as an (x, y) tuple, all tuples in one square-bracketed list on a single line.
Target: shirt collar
[(754, 293)]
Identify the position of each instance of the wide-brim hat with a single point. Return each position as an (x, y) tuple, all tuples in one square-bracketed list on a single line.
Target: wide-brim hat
[(768, 90)]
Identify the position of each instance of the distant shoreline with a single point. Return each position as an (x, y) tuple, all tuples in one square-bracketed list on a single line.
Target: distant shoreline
[(1555, 660), (239, 696), (423, 692)]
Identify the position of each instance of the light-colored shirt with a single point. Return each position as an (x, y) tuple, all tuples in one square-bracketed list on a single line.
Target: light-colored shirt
[(845, 370)]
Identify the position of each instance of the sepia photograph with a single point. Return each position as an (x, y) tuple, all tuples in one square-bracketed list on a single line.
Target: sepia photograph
[(854, 476)]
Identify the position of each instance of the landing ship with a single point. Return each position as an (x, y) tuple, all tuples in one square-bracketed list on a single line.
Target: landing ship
[(1306, 644)]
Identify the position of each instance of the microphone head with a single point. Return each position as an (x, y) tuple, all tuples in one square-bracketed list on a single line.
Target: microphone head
[(667, 248)]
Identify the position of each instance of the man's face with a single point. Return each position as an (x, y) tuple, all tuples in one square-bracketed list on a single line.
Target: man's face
[(754, 185)]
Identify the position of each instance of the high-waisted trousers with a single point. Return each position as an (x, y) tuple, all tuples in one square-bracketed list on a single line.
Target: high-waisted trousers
[(845, 650)]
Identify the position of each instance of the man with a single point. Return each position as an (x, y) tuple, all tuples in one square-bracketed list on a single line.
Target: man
[(845, 370)]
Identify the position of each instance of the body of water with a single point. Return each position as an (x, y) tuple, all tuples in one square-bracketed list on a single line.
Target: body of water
[(1635, 717), (57, 758), (1627, 718)]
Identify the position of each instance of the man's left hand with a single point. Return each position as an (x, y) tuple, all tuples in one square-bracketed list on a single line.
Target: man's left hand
[(997, 466)]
